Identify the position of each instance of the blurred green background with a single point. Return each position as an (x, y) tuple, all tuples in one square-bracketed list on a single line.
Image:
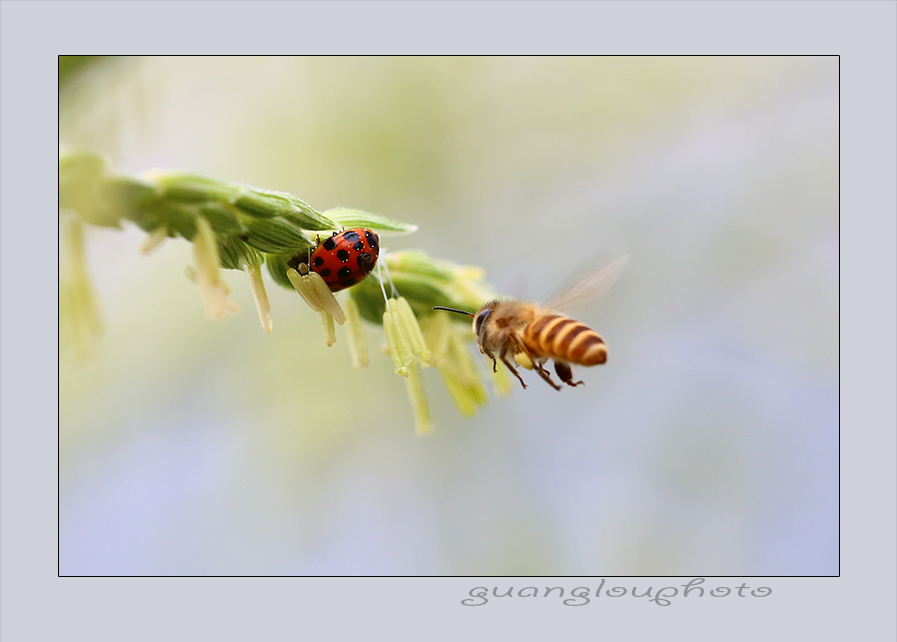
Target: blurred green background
[(708, 444)]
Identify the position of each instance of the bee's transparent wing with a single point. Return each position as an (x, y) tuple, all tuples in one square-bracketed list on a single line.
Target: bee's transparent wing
[(590, 288)]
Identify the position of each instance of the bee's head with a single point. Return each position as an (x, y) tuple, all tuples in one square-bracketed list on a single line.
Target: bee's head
[(479, 319)]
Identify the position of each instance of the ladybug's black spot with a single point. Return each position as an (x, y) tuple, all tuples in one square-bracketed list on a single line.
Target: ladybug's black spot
[(351, 236), (329, 244), (343, 272), (372, 239), (325, 272), (366, 262), (347, 282), (359, 245), (319, 261), (342, 255)]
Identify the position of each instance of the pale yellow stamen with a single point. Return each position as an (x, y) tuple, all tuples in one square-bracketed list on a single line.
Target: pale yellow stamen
[(261, 297), (423, 422), (329, 331), (459, 372), (399, 348), (79, 310), (315, 292), (154, 240), (355, 334), (411, 329), (213, 289)]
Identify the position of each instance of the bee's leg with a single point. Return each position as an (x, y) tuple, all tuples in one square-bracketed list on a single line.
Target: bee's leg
[(538, 367), (489, 354), (514, 370), (565, 373)]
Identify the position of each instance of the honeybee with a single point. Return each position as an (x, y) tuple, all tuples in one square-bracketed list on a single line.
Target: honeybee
[(532, 334)]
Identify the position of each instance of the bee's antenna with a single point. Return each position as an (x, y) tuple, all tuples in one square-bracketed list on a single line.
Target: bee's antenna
[(439, 307)]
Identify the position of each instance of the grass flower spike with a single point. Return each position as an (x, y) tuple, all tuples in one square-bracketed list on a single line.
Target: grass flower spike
[(239, 227)]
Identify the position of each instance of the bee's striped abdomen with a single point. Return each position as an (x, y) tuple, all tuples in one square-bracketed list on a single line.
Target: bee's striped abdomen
[(565, 339)]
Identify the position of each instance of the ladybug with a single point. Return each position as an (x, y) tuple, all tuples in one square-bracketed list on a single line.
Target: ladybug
[(346, 258)]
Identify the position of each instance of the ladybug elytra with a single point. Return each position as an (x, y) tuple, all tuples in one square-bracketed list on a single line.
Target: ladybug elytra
[(346, 258)]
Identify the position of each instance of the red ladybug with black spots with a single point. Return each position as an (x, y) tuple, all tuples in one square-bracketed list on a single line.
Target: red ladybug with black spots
[(346, 258)]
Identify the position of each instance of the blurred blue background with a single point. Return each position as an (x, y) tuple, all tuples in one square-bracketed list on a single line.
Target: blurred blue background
[(708, 444)]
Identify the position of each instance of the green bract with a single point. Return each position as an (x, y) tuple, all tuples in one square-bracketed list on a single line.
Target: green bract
[(275, 235), (224, 218), (356, 218), (277, 268), (193, 188), (178, 218), (237, 255), (280, 204)]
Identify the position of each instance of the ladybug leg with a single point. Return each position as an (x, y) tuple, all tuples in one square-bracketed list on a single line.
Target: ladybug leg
[(538, 367), (514, 370), (565, 373)]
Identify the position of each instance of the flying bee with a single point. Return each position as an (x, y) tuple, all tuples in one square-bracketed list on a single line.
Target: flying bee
[(532, 334)]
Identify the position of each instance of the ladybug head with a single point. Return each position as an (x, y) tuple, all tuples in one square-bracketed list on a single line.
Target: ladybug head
[(366, 262)]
